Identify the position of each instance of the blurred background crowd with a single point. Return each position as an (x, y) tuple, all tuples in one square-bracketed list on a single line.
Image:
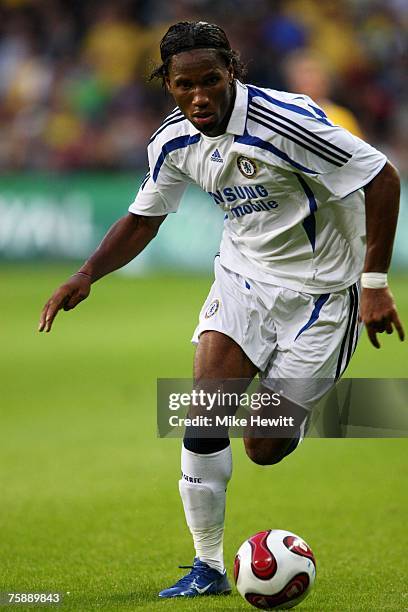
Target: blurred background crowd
[(74, 88)]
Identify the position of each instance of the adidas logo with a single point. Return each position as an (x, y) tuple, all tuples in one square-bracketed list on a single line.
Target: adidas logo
[(216, 156)]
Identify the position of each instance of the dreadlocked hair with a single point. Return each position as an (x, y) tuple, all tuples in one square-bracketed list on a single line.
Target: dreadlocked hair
[(188, 35)]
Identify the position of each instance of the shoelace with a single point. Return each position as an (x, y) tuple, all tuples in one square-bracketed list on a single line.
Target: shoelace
[(194, 570)]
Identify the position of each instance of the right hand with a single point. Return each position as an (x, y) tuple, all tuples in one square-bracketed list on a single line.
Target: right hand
[(76, 289), (379, 314)]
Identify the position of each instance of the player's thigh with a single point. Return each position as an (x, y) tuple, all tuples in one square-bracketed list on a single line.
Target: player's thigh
[(221, 369), (219, 357)]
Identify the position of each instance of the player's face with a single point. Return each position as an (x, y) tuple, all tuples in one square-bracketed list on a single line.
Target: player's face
[(203, 88)]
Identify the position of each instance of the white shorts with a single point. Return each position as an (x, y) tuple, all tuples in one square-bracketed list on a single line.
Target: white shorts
[(288, 335)]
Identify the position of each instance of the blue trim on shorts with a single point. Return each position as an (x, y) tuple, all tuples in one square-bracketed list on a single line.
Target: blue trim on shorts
[(318, 305), (351, 328)]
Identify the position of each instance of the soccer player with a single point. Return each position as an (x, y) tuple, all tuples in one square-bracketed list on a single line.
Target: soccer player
[(299, 262)]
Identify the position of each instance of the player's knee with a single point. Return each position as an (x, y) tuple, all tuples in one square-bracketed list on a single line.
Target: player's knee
[(261, 455), (261, 458), (268, 452)]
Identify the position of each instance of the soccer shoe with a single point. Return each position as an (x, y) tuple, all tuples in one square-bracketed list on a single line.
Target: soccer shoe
[(202, 580)]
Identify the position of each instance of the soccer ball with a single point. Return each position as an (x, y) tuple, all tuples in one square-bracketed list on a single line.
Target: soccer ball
[(274, 569)]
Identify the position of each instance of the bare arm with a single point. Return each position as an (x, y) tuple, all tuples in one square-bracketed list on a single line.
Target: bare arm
[(125, 239), (378, 310)]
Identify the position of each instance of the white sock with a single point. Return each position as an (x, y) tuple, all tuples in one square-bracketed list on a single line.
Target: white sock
[(202, 488)]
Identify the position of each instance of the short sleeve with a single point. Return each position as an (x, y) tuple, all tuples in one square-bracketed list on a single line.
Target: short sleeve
[(300, 136), (162, 188), (365, 163), (161, 197)]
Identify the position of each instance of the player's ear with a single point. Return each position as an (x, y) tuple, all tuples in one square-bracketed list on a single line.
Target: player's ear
[(167, 82)]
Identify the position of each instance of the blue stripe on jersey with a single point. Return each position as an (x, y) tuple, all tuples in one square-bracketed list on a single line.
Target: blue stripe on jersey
[(262, 144), (308, 192), (309, 224), (146, 178), (176, 119), (319, 303), (271, 123), (292, 138), (254, 92), (319, 111), (315, 138), (176, 143)]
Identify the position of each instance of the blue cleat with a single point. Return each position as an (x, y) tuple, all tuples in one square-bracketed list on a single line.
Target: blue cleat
[(202, 580)]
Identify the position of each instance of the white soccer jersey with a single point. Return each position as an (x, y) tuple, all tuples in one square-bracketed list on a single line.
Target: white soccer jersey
[(289, 183)]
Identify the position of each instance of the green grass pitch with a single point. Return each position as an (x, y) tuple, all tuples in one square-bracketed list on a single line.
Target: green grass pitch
[(89, 502)]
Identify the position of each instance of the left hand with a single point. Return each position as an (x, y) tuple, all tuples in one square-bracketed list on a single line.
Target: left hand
[(379, 314)]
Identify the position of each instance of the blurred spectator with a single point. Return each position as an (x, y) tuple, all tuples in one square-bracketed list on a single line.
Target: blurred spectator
[(306, 73), (113, 45), (74, 92)]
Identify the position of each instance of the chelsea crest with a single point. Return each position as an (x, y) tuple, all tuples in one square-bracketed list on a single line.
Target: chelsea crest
[(212, 308), (247, 166)]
